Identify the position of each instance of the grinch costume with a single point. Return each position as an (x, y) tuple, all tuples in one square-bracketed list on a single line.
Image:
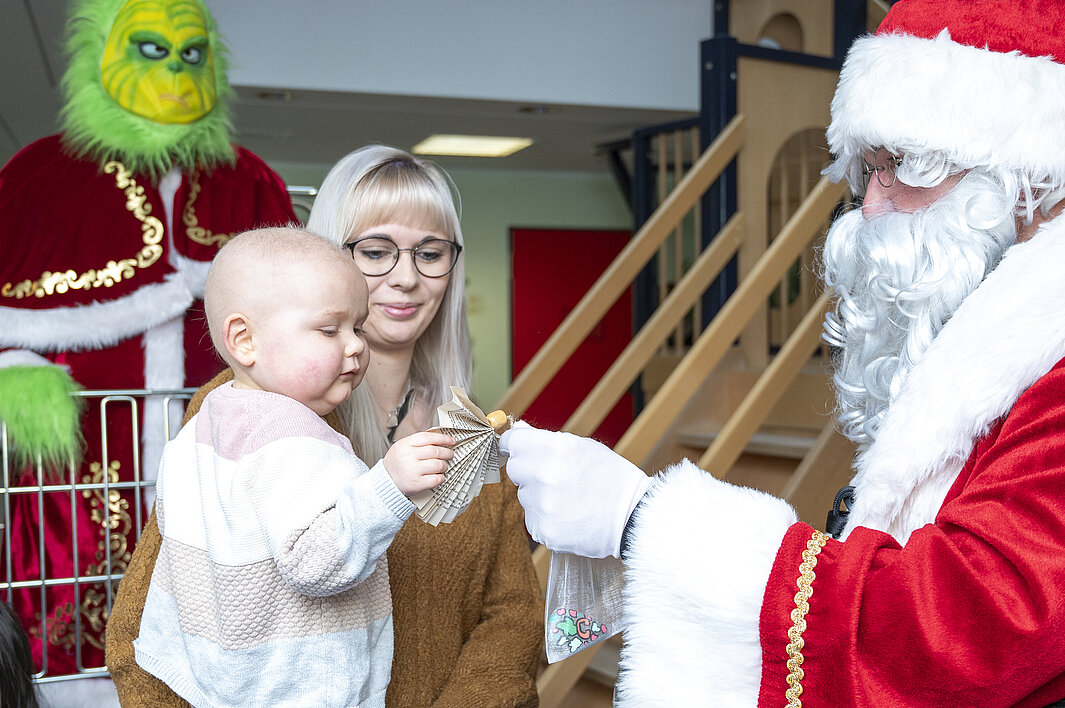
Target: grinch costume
[(107, 232)]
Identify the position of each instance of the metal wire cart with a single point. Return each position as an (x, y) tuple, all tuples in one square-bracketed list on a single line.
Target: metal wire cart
[(67, 535)]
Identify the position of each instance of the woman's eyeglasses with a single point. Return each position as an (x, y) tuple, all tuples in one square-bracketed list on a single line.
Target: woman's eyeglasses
[(378, 255)]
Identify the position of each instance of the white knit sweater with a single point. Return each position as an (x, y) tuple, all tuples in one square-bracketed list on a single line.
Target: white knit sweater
[(271, 585)]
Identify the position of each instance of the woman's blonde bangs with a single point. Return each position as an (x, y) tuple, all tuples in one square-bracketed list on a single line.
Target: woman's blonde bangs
[(398, 193)]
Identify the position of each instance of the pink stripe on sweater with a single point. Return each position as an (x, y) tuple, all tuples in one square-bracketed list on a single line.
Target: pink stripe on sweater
[(238, 422)]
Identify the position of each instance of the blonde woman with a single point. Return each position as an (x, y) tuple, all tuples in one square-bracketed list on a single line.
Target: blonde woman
[(467, 609), (386, 205)]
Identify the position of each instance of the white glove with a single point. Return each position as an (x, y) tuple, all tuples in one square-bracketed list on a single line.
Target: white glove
[(577, 493)]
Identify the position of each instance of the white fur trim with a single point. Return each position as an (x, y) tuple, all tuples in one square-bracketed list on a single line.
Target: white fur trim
[(194, 272), (96, 326), (700, 559), (21, 357), (164, 368), (977, 106), (1007, 334), (168, 187)]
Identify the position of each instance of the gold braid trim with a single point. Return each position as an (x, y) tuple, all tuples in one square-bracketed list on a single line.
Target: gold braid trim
[(192, 225), (798, 617), (115, 271)]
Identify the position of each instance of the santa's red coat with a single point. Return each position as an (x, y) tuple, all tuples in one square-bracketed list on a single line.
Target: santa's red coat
[(948, 588)]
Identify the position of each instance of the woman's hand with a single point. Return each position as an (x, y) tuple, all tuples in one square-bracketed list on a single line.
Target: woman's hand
[(418, 462)]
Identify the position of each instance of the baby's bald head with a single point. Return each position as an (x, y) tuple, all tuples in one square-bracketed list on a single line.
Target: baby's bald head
[(256, 271)]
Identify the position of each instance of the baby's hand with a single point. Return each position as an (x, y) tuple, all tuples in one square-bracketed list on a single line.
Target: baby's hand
[(418, 462)]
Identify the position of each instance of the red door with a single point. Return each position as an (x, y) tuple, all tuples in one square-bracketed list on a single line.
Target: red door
[(552, 269)]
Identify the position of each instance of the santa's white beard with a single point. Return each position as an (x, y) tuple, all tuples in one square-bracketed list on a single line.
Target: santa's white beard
[(898, 278)]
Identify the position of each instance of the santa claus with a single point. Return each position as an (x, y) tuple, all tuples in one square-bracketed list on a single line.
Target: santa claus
[(947, 586), (107, 231)]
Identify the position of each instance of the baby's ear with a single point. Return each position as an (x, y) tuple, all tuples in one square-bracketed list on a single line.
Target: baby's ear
[(236, 335)]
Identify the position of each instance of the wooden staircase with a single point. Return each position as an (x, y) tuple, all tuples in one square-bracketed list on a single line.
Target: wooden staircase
[(663, 432), (747, 395)]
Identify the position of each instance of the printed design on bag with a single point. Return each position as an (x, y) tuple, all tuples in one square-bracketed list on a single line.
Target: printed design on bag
[(572, 630)]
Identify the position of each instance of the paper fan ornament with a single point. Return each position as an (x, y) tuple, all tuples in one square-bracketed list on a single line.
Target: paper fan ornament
[(476, 460)]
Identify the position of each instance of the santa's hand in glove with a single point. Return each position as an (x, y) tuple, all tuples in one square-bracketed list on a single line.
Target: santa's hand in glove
[(577, 493)]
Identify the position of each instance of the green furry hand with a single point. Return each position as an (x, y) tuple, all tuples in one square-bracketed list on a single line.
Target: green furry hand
[(42, 418)]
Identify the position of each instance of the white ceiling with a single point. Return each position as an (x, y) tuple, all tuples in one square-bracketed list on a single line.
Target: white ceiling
[(320, 126), (571, 74)]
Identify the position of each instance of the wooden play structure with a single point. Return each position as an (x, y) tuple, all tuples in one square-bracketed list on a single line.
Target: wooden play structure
[(728, 361)]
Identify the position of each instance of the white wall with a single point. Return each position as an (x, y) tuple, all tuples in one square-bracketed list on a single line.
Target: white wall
[(624, 53)]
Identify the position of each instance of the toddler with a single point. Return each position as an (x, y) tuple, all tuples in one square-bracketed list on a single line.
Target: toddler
[(271, 585)]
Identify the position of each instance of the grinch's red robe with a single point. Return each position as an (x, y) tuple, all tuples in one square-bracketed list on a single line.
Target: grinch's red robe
[(949, 586), (96, 277)]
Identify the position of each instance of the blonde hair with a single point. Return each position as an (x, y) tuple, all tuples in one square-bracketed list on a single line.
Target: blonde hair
[(380, 185)]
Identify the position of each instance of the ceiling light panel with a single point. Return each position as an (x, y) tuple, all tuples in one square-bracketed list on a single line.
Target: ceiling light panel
[(471, 145)]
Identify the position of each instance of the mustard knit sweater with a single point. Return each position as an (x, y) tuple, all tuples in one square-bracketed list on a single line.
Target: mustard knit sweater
[(467, 609)]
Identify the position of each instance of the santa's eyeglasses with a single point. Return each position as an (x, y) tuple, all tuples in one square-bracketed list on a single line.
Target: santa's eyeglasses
[(883, 164)]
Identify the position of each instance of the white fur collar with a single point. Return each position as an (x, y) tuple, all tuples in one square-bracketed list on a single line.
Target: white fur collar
[(97, 325), (1006, 335)]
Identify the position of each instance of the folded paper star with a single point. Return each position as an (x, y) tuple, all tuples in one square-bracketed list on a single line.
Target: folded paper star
[(476, 460)]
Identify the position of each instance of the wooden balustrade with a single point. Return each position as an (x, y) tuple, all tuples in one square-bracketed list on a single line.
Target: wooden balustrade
[(639, 351), (606, 290), (673, 150), (769, 389), (706, 352), (667, 324), (796, 167), (558, 678)]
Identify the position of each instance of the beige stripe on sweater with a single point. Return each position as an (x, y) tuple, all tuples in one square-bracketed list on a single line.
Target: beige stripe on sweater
[(224, 604)]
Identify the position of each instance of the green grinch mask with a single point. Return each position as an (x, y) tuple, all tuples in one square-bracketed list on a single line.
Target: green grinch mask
[(146, 85), (158, 63)]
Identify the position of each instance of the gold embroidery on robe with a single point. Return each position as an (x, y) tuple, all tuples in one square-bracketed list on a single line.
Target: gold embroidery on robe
[(113, 521), (114, 513), (59, 627), (59, 282), (192, 225)]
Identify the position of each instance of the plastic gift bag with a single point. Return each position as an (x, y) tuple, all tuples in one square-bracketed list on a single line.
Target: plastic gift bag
[(583, 604)]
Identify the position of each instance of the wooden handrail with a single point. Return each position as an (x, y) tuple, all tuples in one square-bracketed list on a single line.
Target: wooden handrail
[(710, 347), (557, 679), (639, 351), (620, 274), (770, 387)]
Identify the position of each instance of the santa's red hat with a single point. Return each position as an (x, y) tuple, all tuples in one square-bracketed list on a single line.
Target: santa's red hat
[(981, 82)]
